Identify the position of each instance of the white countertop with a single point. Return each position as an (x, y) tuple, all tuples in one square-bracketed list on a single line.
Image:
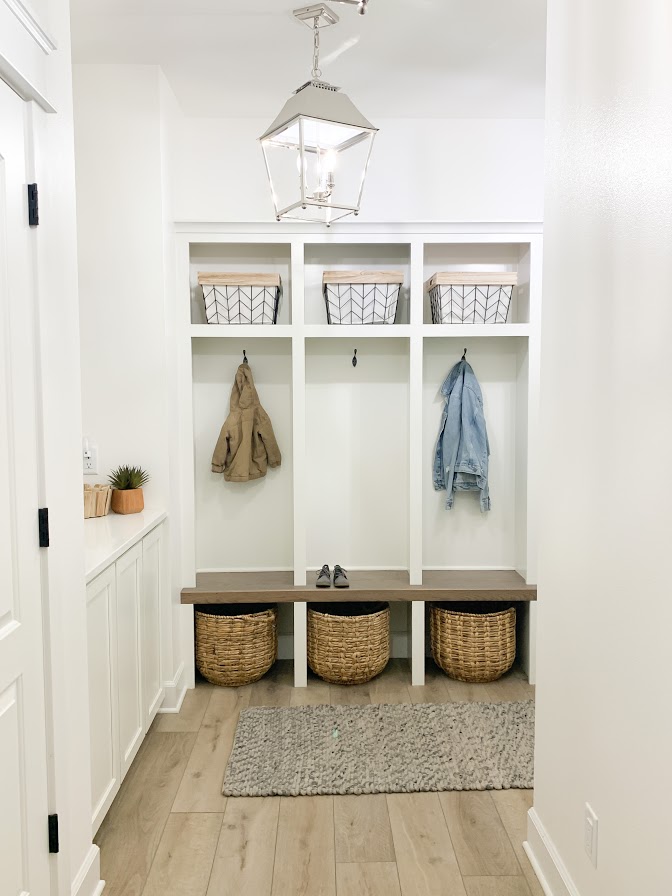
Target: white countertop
[(107, 537)]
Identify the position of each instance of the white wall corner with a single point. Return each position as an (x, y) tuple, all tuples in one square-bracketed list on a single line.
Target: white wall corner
[(88, 882), (545, 859), (174, 691)]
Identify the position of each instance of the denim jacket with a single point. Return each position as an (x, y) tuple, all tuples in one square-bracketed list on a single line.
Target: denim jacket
[(462, 448)]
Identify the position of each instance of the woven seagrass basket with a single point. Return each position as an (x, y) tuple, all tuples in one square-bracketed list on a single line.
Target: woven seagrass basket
[(348, 643), (235, 644), (473, 645)]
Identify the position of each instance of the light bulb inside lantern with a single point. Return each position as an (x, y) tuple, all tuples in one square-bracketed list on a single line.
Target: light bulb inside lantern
[(330, 160)]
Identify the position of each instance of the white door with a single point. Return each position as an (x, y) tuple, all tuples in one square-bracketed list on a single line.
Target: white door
[(152, 599), (24, 856), (101, 625), (129, 667)]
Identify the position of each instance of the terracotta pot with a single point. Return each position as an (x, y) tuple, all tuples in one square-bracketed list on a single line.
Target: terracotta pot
[(129, 500)]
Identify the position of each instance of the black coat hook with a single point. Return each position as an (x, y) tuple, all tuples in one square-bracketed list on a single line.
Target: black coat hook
[(354, 359), (464, 356), (245, 361)]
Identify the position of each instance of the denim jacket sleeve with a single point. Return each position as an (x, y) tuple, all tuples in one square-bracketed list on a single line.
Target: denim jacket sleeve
[(438, 474), (471, 468)]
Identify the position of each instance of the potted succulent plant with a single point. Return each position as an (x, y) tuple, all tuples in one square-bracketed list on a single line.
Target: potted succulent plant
[(127, 482)]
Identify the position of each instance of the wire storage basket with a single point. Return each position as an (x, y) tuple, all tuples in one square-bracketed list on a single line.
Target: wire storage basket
[(348, 643), (361, 297), (473, 644), (236, 644), (240, 298), (471, 297)]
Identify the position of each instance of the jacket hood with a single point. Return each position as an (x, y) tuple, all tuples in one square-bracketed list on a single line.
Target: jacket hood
[(244, 393)]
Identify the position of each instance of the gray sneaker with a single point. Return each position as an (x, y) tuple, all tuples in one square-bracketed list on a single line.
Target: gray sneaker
[(324, 577), (340, 577)]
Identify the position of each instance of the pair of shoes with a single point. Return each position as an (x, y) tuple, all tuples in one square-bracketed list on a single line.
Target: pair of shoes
[(324, 577)]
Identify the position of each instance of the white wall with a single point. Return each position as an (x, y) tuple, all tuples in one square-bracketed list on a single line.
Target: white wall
[(120, 218), (242, 526), (124, 123), (604, 731), (421, 170)]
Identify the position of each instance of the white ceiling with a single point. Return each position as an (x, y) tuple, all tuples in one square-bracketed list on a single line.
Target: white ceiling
[(405, 58)]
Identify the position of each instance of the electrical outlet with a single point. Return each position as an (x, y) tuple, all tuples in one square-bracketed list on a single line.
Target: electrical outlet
[(590, 834), (90, 458)]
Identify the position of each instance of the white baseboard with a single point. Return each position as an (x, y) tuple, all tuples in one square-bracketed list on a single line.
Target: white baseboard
[(466, 568), (174, 691), (553, 876), (88, 882)]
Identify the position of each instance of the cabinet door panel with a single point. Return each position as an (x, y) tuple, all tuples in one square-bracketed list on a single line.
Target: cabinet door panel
[(101, 638), (152, 600), (129, 590)]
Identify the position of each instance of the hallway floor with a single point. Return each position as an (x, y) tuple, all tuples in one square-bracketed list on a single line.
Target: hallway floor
[(170, 832)]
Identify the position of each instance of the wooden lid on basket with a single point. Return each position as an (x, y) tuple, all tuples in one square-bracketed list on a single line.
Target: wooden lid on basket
[(363, 277), (473, 278), (236, 278)]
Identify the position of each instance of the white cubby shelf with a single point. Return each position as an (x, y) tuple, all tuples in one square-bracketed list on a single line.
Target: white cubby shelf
[(355, 484)]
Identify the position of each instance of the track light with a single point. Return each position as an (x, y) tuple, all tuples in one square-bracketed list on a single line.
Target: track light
[(361, 7)]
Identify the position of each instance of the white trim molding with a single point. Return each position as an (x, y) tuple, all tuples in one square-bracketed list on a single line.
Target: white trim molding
[(27, 18), (25, 88), (174, 691), (545, 859), (88, 882)]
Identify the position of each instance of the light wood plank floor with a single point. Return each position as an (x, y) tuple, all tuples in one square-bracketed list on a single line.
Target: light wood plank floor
[(170, 830)]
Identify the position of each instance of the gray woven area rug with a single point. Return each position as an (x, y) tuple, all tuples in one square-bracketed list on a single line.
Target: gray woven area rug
[(308, 750)]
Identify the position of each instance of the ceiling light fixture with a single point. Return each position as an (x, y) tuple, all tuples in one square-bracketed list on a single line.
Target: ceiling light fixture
[(318, 148)]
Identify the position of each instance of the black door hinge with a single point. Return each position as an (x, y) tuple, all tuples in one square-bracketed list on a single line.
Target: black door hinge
[(43, 526), (33, 209), (53, 833)]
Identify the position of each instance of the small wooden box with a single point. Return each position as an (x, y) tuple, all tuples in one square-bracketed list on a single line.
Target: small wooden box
[(97, 499)]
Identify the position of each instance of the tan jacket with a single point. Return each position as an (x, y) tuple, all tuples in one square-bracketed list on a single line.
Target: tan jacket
[(246, 445)]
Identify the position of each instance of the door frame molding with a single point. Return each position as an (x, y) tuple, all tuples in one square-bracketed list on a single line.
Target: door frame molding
[(25, 50), (29, 21)]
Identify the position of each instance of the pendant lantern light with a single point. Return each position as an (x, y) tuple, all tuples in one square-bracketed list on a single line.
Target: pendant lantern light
[(318, 148)]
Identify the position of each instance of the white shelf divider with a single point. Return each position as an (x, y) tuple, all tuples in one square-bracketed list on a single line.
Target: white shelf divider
[(353, 331), (357, 331), (299, 461), (241, 331), (475, 330), (416, 613), (300, 644), (417, 652)]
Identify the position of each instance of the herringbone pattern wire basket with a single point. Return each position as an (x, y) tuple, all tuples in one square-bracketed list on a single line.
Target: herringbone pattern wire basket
[(348, 643), (473, 646), (235, 644), (362, 297), (464, 297), (238, 298)]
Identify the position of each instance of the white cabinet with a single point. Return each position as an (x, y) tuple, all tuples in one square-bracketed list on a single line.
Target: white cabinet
[(153, 572), (102, 641), (124, 605), (129, 660)]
